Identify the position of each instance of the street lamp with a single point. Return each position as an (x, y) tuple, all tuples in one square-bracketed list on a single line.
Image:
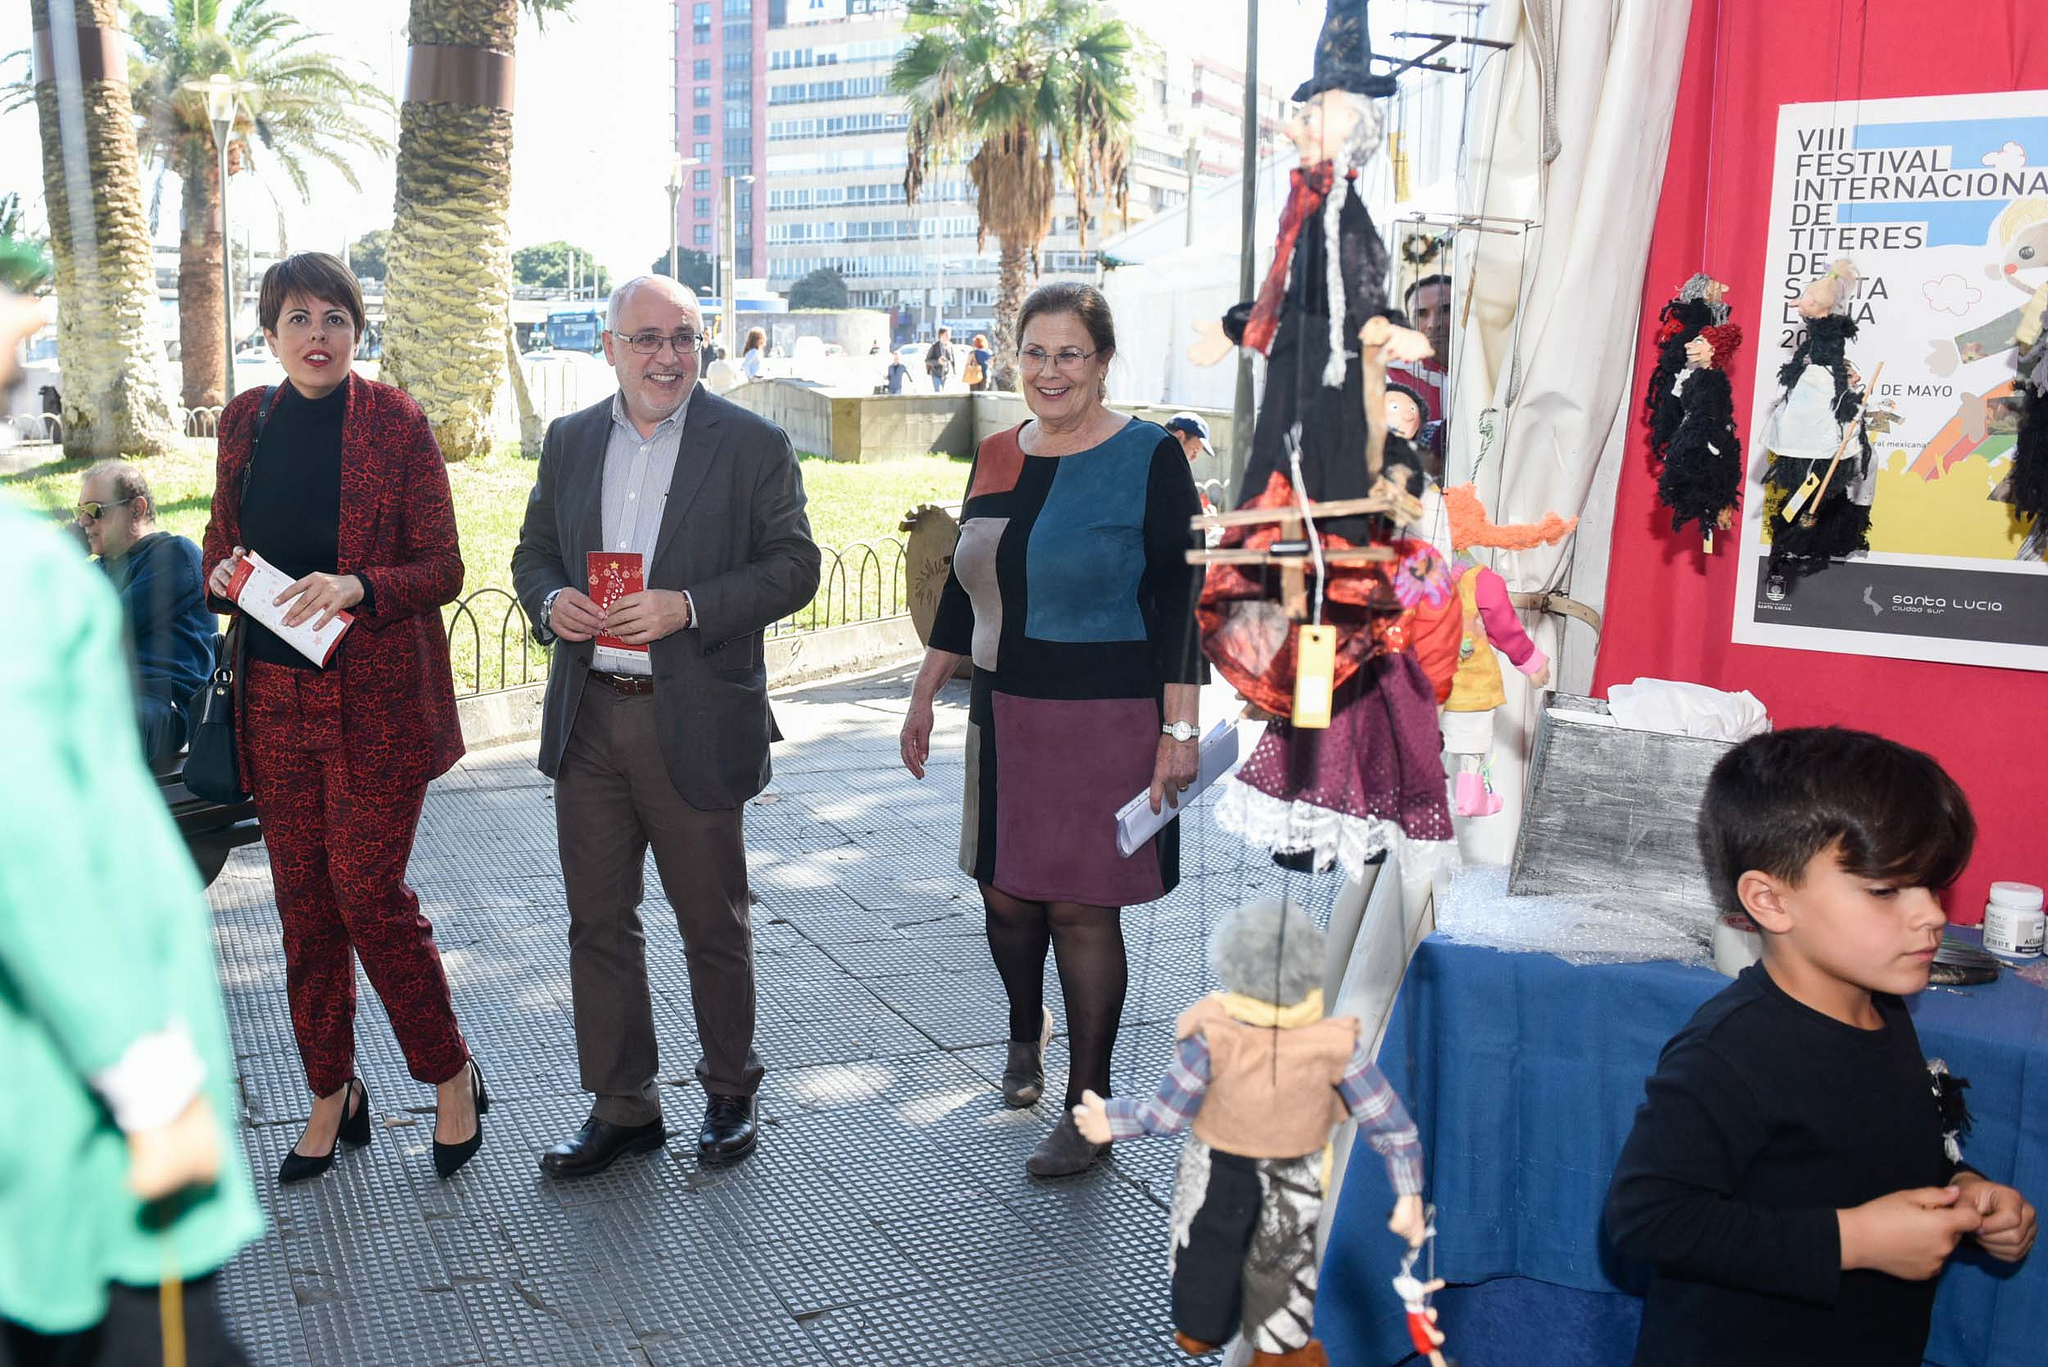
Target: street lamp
[(675, 199), (728, 260), (221, 92)]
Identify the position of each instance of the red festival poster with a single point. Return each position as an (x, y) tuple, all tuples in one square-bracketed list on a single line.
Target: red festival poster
[(613, 575)]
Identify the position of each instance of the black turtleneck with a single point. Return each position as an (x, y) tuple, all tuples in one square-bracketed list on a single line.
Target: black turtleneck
[(291, 512)]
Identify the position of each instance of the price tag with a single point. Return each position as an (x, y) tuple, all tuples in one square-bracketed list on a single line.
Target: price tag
[(1315, 673), (1806, 490)]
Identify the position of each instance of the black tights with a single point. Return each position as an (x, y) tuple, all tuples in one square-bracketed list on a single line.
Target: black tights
[(1088, 944)]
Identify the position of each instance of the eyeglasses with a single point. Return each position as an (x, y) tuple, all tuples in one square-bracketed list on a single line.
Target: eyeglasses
[(1034, 358), (93, 512), (651, 343)]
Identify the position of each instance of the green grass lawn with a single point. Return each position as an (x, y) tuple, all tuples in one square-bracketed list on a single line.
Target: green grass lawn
[(848, 504)]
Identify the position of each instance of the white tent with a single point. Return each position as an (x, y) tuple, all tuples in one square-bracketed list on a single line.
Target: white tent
[(1160, 287)]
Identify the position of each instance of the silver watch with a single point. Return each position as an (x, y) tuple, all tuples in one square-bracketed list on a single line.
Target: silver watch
[(1180, 730)]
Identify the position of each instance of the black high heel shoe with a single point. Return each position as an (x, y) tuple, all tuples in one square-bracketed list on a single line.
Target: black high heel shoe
[(449, 1158), (354, 1131)]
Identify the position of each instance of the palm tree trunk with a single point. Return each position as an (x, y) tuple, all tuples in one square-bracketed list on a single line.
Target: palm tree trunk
[(1013, 263), (449, 289), (199, 302), (530, 431), (108, 342)]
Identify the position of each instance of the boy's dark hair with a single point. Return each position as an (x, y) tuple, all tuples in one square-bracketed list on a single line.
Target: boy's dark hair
[(314, 275), (1777, 800)]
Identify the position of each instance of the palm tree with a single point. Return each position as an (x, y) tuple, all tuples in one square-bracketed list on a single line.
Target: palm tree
[(1029, 93), (303, 106), (448, 291), (107, 339)]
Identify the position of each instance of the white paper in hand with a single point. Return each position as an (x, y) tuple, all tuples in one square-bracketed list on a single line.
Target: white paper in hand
[(1137, 823), (254, 589)]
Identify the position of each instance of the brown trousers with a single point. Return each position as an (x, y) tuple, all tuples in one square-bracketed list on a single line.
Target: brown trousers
[(613, 801)]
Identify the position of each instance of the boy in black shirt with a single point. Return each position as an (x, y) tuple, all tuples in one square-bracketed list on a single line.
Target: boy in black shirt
[(1787, 1176)]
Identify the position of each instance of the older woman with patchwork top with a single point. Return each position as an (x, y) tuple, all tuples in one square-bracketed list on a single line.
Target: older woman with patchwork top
[(1072, 594)]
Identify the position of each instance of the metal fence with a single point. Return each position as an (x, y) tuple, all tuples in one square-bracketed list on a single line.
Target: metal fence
[(36, 429), (492, 648)]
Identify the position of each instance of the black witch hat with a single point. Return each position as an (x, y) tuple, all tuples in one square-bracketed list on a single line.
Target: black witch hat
[(1344, 55)]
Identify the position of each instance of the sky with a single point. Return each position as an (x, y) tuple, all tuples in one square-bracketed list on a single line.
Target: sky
[(592, 123)]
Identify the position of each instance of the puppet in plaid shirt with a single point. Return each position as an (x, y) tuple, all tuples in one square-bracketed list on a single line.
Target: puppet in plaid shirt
[(1263, 1077)]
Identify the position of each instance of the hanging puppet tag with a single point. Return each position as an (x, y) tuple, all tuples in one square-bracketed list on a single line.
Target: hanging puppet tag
[(1315, 672), (1807, 488)]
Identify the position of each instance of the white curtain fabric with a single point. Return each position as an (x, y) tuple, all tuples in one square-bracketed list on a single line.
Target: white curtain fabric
[(1569, 130)]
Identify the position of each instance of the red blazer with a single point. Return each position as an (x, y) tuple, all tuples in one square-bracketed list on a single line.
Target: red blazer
[(397, 535)]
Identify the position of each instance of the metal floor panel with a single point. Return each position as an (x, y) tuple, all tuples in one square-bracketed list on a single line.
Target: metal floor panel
[(886, 1216)]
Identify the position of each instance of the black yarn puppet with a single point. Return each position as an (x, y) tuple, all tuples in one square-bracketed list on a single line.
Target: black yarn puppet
[(1818, 507), (1691, 410)]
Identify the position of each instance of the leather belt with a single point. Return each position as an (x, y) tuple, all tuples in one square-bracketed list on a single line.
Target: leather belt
[(625, 685)]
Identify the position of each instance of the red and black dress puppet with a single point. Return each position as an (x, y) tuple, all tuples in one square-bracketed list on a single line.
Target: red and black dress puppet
[(1690, 409)]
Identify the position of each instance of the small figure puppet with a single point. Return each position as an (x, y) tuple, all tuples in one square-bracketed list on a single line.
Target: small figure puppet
[(1691, 409), (1488, 620), (1820, 478), (1415, 1294), (1263, 1077)]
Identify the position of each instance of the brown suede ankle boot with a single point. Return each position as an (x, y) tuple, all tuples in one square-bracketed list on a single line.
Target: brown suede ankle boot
[(1310, 1354), (1194, 1348)]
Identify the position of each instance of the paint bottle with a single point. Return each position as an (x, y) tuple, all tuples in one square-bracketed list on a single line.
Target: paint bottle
[(2013, 921)]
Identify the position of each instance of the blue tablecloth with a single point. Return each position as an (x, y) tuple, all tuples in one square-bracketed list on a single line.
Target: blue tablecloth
[(1524, 1074)]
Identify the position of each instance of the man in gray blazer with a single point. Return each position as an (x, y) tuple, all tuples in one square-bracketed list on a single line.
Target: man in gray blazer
[(661, 743)]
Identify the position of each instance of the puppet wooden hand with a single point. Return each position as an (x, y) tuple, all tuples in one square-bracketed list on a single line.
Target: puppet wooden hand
[(1401, 344), (1091, 1118), (1409, 1220), (1211, 342)]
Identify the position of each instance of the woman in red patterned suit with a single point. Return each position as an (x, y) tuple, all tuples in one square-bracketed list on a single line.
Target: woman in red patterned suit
[(336, 481)]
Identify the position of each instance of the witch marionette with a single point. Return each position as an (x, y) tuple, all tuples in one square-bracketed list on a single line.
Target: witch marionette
[(1262, 1077), (1346, 791), (1821, 478), (1690, 409)]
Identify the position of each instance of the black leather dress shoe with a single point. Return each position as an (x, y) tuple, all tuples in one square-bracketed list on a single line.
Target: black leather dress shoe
[(729, 1132), (598, 1145)]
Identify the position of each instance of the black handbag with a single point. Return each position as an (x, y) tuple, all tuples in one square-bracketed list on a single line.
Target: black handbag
[(210, 768)]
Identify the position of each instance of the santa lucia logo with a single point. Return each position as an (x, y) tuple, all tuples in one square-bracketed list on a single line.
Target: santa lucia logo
[(1870, 600)]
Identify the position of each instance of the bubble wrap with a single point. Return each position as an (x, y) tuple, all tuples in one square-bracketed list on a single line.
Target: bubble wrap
[(1476, 910)]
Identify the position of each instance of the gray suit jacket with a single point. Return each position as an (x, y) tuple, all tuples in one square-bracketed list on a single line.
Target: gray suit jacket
[(733, 533)]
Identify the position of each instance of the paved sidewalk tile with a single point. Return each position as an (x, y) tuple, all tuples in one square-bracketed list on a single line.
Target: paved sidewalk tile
[(886, 1216)]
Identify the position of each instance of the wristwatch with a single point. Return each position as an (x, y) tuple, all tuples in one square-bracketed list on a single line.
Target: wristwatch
[(1181, 730)]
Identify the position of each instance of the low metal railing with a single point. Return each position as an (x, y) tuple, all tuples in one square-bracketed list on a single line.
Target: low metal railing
[(863, 582)]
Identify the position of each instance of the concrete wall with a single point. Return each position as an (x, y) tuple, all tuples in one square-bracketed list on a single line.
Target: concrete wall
[(846, 425), (854, 329), (857, 426)]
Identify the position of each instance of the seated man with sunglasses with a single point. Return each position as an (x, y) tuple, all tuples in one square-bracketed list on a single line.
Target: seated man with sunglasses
[(170, 631)]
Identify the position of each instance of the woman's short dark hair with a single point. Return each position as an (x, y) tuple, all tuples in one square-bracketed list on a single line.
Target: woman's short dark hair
[(1890, 814), (311, 275), (1070, 296)]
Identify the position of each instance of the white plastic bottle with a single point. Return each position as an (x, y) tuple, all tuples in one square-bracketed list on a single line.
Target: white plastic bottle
[(2013, 921)]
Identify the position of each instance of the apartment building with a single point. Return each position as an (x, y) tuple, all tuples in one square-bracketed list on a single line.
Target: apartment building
[(720, 102), (825, 138)]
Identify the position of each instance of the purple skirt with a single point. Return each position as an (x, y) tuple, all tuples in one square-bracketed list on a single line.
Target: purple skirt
[(1379, 761)]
